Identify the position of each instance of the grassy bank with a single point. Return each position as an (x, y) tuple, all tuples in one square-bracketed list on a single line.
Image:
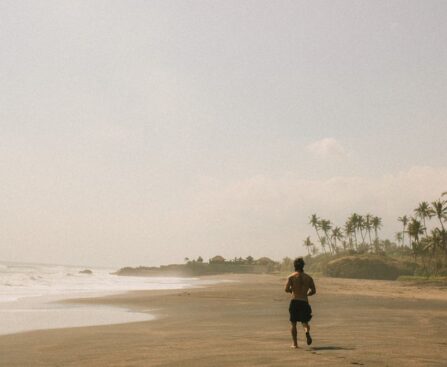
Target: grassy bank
[(360, 266), (432, 280)]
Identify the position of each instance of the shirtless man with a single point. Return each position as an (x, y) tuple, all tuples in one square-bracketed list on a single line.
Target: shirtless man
[(301, 286)]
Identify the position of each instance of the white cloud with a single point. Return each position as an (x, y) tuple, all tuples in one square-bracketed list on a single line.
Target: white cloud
[(326, 148)]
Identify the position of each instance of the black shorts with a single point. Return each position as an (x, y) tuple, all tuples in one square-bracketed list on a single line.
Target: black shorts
[(300, 311)]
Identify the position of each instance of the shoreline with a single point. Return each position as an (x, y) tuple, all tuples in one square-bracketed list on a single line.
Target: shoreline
[(36, 313), (245, 323), (69, 310)]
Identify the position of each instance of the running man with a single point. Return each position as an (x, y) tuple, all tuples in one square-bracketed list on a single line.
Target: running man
[(301, 286)]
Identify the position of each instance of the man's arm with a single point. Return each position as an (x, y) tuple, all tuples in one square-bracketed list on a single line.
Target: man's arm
[(312, 289), (288, 288)]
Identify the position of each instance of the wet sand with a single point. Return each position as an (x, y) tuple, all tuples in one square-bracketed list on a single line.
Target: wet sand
[(245, 323)]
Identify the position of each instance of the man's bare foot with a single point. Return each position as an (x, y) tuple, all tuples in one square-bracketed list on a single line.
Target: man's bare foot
[(308, 339)]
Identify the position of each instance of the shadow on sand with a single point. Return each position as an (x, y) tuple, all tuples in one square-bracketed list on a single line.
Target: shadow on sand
[(330, 347)]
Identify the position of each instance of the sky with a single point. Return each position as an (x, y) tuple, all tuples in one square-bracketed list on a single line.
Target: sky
[(143, 132)]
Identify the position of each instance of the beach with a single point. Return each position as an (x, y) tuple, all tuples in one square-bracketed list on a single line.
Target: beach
[(30, 295), (245, 323)]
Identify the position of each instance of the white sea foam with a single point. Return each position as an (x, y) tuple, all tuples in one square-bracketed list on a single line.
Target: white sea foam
[(30, 280), (28, 292)]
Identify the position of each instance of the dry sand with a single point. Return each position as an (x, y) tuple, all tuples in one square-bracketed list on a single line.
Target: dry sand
[(245, 323)]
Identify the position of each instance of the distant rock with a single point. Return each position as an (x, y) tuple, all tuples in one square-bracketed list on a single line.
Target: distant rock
[(86, 271)]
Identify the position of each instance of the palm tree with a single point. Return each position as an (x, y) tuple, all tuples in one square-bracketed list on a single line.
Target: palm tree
[(438, 240), (323, 243), (315, 222), (349, 230), (415, 228), (404, 221), (424, 211), (326, 226), (336, 235), (354, 219), (377, 224), (399, 238), (440, 211), (308, 244), (361, 226), (368, 226)]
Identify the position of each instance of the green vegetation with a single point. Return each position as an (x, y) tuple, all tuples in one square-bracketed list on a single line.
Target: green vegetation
[(356, 251), (368, 267), (420, 279), (215, 265)]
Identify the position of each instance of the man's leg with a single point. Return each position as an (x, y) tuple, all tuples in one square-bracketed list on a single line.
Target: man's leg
[(306, 327), (294, 335)]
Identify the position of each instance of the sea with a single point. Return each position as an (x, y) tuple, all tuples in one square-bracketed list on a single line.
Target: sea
[(29, 295)]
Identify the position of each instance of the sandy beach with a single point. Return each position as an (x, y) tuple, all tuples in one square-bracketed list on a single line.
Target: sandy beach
[(245, 323)]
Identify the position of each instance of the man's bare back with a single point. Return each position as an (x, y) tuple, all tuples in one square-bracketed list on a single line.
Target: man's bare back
[(299, 284)]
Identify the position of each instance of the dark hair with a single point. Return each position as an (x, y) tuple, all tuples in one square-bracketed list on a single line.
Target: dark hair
[(298, 264)]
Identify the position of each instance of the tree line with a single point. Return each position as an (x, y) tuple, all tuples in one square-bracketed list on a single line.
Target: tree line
[(359, 233), (423, 234)]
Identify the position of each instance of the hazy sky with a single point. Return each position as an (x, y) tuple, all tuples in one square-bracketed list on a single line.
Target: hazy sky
[(142, 132)]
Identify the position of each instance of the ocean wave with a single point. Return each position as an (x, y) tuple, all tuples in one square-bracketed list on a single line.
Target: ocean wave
[(20, 281)]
